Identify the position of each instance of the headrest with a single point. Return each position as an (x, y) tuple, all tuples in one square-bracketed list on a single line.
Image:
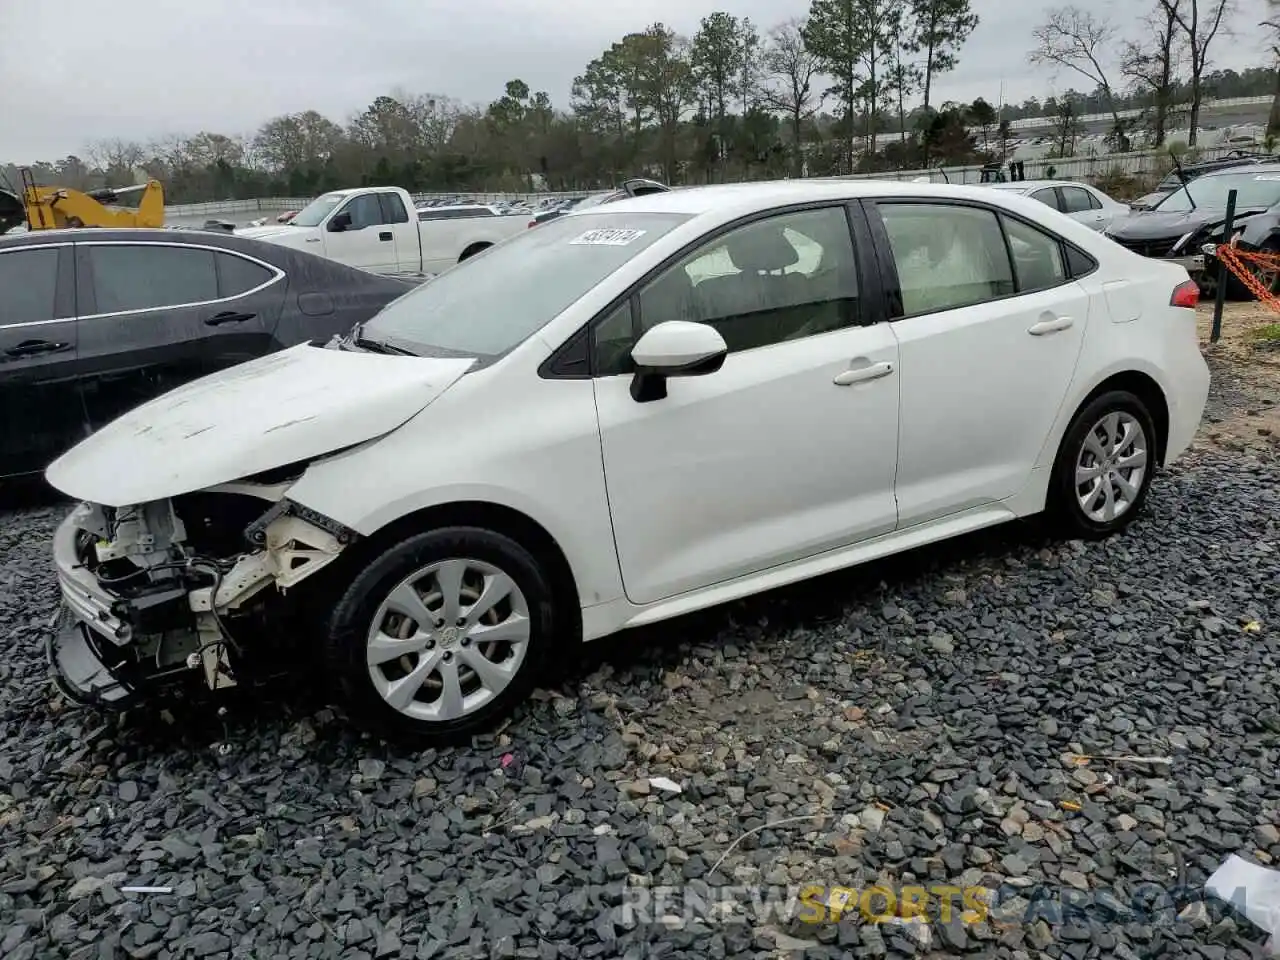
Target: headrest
[(759, 249)]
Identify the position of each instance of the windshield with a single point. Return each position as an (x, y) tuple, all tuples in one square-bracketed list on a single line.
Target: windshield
[(1256, 190), (314, 212), (492, 302)]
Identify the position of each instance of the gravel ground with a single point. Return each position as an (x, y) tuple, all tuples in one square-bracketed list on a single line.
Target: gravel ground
[(919, 721)]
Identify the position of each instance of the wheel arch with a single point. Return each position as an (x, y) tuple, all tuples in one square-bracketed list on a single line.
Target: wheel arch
[(474, 248), (499, 518), (1145, 388)]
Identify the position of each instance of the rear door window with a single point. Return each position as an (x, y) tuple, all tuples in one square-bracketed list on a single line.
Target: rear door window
[(1076, 200), (28, 285), (392, 208), (1048, 196), (150, 276), (947, 256)]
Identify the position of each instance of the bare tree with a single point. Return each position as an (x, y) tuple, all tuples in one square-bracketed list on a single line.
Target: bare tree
[(1200, 20), (792, 70), (1075, 39), (1152, 65), (1066, 128)]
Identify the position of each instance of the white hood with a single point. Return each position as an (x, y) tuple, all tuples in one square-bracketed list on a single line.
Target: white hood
[(270, 412), (271, 231)]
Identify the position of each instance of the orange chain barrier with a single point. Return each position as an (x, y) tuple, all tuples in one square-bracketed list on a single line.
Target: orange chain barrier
[(1238, 261)]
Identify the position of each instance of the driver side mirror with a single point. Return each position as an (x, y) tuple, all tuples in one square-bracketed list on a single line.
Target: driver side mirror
[(341, 222), (676, 348)]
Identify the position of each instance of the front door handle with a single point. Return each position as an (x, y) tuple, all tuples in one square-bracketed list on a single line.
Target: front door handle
[(313, 239), (229, 316), (1051, 325), (33, 348), (384, 235), (873, 371)]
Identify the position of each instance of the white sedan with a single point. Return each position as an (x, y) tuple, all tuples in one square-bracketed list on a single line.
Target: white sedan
[(1079, 201), (630, 413)]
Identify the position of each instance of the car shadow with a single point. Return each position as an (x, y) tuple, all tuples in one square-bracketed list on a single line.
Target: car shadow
[(300, 707)]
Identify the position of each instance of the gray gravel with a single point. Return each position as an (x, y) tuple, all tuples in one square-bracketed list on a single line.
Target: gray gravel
[(920, 717)]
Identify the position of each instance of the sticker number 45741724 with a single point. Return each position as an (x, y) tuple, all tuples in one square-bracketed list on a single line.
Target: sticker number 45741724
[(613, 237)]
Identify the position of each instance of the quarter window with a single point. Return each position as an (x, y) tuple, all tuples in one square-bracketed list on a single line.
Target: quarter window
[(28, 285), (237, 276), (149, 276), (784, 278), (1037, 257), (947, 256), (611, 342)]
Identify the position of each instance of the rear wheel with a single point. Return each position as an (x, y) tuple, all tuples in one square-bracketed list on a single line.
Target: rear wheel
[(472, 250), (442, 634), (1104, 467)]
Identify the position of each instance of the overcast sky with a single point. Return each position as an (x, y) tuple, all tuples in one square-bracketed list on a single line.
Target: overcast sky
[(73, 71)]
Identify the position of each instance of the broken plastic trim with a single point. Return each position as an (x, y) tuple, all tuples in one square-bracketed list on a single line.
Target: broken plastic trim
[(256, 533)]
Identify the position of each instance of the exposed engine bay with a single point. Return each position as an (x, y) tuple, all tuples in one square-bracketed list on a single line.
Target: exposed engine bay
[(160, 591)]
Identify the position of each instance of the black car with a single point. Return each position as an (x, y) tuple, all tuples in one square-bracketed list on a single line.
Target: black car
[(631, 188), (1181, 225), (1190, 171), (95, 322)]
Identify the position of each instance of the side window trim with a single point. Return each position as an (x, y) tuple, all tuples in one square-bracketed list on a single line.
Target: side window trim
[(892, 297), (548, 368), (64, 284), (88, 299)]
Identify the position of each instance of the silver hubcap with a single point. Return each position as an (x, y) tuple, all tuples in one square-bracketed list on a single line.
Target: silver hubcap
[(1111, 467), (448, 639)]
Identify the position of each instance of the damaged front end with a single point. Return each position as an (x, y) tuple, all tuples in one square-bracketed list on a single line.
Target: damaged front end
[(196, 586)]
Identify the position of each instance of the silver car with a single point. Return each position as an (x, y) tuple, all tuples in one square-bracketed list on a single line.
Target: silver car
[(1079, 201)]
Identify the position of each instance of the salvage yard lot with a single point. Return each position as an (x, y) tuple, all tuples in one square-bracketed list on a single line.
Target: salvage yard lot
[(918, 721)]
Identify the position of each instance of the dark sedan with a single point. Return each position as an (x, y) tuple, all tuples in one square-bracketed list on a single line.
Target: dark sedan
[(95, 322), (1186, 221)]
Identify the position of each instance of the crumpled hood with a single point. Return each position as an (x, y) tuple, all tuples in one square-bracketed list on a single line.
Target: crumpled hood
[(270, 232), (289, 406), (1154, 225)]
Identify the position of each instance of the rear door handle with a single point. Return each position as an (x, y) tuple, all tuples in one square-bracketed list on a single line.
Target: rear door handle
[(313, 239), (873, 371), (229, 316), (33, 348), (384, 235), (1053, 325)]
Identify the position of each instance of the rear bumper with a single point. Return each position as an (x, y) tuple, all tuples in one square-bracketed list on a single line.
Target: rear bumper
[(1189, 375)]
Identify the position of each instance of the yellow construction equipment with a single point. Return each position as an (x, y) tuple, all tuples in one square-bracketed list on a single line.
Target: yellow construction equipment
[(55, 208)]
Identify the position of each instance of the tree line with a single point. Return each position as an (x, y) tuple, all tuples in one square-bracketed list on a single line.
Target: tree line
[(852, 87)]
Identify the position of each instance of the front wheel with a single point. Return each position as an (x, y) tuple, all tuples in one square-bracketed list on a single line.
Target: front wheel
[(442, 634), (1104, 467)]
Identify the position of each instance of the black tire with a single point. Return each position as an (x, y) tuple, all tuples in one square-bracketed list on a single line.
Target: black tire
[(1068, 518), (346, 635)]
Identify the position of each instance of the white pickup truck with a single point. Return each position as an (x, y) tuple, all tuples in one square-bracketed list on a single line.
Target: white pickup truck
[(378, 229)]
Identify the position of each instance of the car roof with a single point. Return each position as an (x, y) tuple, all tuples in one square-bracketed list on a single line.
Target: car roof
[(1035, 184), (741, 198), (184, 236), (1244, 167)]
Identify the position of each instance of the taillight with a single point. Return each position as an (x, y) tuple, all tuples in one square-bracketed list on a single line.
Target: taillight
[(1186, 295), (533, 223)]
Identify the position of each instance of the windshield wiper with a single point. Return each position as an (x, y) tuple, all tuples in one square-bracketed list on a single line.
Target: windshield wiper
[(358, 339)]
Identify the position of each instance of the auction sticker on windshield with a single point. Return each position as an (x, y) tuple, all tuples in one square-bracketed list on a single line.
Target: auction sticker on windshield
[(609, 237)]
